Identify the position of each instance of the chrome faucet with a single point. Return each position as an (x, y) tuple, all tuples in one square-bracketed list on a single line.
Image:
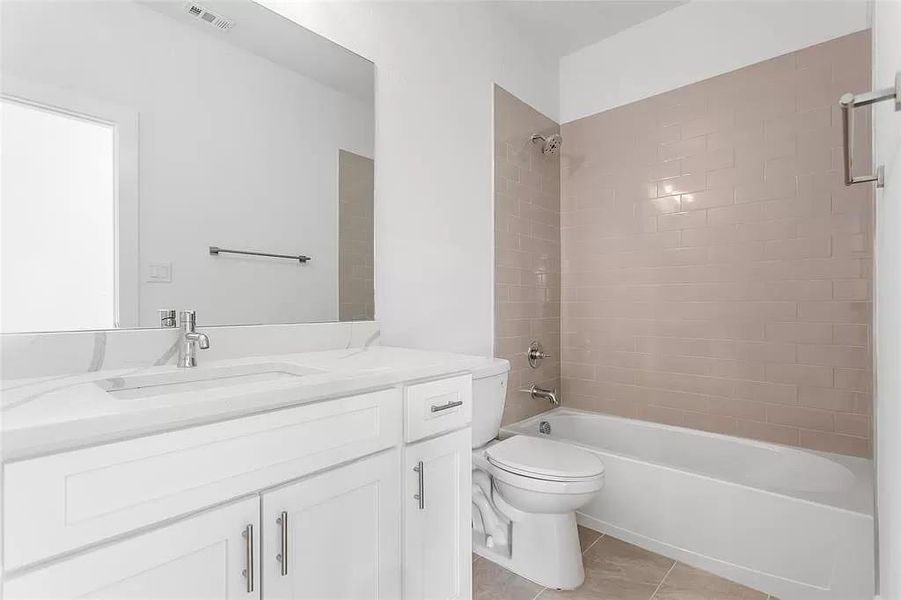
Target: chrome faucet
[(189, 339), (538, 393)]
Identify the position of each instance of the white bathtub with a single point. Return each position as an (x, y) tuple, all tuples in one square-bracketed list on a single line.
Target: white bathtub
[(794, 523)]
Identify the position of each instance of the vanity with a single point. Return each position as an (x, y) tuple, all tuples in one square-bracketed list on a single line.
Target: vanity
[(327, 474)]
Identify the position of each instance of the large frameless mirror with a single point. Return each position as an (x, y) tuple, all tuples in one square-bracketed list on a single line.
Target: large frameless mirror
[(175, 155)]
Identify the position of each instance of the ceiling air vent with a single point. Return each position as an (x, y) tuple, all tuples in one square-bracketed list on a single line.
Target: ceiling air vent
[(211, 18)]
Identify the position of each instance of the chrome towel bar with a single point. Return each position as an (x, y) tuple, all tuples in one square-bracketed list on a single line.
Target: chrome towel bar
[(848, 102), (215, 250)]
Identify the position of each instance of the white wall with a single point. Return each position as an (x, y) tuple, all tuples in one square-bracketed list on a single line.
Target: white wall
[(435, 67), (887, 140), (693, 42), (235, 151)]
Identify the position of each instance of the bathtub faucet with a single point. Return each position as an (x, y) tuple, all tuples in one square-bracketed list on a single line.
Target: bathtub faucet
[(540, 393)]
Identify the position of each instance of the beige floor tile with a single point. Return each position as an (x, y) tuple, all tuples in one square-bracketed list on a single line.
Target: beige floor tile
[(599, 587), (687, 583), (587, 537), (614, 570), (613, 558), (491, 582)]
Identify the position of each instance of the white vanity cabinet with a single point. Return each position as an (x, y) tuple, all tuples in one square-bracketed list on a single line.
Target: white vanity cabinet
[(336, 535), (204, 557), (59, 503), (437, 513), (314, 501)]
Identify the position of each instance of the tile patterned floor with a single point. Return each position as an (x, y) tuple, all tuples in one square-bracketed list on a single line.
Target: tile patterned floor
[(614, 570)]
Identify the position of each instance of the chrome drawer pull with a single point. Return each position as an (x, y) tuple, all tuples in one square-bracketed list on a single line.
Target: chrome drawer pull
[(420, 472), (282, 557), (447, 406), (248, 557)]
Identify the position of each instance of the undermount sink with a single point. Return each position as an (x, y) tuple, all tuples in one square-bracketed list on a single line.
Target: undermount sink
[(133, 387)]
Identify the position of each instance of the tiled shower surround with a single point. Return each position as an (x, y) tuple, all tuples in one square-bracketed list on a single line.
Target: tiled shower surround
[(527, 251), (716, 272)]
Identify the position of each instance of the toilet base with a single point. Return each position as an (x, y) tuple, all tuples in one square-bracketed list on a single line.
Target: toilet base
[(544, 549)]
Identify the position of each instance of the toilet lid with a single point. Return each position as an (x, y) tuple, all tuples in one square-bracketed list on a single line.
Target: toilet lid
[(544, 459)]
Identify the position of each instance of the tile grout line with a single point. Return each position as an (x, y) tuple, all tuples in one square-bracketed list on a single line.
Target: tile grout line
[(659, 585), (591, 545)]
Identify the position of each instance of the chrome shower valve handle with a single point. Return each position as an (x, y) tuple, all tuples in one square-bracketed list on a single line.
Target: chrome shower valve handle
[(536, 354)]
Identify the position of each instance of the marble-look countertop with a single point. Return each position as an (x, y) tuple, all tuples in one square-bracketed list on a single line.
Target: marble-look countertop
[(46, 415)]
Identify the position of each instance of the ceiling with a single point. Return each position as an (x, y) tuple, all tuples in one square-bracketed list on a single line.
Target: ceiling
[(561, 27), (556, 27), (271, 36)]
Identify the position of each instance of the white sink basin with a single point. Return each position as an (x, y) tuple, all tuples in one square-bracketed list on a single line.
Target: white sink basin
[(134, 387)]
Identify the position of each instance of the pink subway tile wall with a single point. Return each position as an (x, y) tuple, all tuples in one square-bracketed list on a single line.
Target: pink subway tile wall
[(527, 251), (716, 272)]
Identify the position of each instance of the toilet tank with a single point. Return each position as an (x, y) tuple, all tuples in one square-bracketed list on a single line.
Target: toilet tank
[(489, 393)]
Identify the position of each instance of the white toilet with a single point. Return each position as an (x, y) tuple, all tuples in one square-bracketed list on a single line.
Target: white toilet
[(525, 492)]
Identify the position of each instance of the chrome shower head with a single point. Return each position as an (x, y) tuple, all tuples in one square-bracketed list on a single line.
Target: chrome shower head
[(551, 143)]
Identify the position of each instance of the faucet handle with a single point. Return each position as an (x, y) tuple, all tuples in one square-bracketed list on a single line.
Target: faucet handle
[(168, 318), (188, 317), (536, 354)]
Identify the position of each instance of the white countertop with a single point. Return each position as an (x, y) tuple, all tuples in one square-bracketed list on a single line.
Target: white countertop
[(53, 414)]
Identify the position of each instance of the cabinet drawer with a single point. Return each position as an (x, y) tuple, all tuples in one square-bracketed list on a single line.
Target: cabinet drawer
[(58, 503), (437, 406)]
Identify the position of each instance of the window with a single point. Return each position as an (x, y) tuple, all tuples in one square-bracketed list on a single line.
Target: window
[(57, 220)]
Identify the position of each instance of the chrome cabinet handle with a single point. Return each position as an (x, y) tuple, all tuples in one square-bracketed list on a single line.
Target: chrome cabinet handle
[(449, 405), (420, 472), (282, 557), (248, 557)]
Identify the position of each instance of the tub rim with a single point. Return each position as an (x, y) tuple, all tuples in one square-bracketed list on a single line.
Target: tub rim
[(860, 468)]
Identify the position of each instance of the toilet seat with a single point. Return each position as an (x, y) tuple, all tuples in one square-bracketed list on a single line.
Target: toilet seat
[(545, 460)]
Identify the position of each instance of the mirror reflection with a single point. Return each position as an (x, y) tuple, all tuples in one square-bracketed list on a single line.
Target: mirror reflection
[(171, 155)]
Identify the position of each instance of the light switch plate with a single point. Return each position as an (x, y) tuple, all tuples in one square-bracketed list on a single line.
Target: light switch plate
[(159, 273)]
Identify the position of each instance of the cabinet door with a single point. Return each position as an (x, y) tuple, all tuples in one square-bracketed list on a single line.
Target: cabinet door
[(437, 513), (336, 535), (204, 557)]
